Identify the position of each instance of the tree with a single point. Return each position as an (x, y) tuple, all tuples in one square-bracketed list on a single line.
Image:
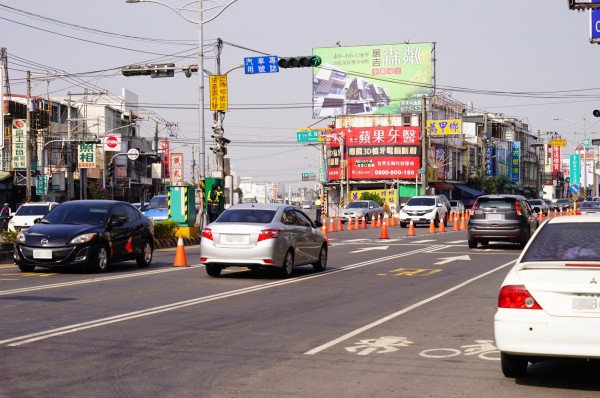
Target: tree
[(371, 196)]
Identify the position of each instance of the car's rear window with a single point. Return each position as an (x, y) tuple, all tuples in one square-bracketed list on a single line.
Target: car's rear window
[(499, 204), (247, 216), (590, 205), (421, 202), (560, 242), (358, 205)]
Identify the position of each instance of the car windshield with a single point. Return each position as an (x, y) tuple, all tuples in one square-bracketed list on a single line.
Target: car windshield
[(358, 205), (158, 202), (77, 214), (421, 202), (559, 242), (247, 216), (500, 203), (590, 205), (561, 201), (32, 210)]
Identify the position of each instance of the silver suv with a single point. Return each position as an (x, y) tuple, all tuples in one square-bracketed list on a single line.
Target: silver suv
[(423, 209)]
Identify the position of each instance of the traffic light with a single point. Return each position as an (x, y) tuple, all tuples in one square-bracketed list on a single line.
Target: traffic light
[(305, 61), (596, 113), (135, 70), (110, 171), (154, 70), (221, 142)]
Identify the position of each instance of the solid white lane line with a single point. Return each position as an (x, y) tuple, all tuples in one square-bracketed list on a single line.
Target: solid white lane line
[(403, 311)]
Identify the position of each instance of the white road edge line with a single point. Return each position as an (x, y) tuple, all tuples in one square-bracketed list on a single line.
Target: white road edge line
[(401, 312), (30, 338)]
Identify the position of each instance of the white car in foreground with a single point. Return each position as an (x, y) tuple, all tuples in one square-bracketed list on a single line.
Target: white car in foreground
[(549, 303), (27, 213)]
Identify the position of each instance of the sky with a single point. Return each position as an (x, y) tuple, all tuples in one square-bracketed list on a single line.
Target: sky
[(531, 60)]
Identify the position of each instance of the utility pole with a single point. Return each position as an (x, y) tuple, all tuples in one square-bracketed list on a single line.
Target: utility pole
[(70, 183), (28, 146), (424, 176)]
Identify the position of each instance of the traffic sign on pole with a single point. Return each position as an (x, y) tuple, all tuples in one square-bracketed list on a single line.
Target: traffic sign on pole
[(595, 25), (259, 65)]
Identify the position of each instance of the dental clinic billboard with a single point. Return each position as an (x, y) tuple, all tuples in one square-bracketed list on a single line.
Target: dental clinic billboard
[(381, 79)]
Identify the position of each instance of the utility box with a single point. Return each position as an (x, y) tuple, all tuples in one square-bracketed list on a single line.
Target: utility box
[(182, 205)]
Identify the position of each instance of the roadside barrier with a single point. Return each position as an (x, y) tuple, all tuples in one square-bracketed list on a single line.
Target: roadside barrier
[(180, 258)]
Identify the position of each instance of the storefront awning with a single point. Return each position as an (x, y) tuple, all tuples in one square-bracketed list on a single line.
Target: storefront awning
[(471, 191)]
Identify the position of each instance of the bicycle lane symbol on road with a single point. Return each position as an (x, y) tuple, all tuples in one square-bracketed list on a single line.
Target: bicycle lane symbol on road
[(484, 349), (381, 345)]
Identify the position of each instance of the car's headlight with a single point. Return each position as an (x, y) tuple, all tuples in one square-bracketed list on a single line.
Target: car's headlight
[(20, 237), (82, 239)]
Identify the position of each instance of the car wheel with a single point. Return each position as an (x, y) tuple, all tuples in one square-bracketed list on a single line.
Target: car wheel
[(321, 264), (472, 243), (436, 222), (145, 258), (402, 224), (513, 365), (26, 268), (288, 265), (100, 263), (213, 270)]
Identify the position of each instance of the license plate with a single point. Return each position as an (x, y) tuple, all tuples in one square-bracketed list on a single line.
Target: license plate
[(586, 304), (238, 239), (42, 254), (494, 217)]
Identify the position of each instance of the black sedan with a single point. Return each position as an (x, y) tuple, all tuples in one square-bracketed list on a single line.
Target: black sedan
[(90, 233)]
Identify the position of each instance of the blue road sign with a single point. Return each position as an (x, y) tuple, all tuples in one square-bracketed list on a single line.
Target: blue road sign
[(258, 65), (574, 189), (595, 25)]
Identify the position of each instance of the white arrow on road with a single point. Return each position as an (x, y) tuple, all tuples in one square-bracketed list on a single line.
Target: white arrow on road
[(450, 259), (365, 249)]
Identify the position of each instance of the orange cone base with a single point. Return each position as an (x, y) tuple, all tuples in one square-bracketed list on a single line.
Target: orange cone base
[(411, 229), (180, 258)]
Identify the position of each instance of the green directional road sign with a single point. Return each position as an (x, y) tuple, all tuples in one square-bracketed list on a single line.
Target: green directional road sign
[(587, 142), (41, 185), (308, 135)]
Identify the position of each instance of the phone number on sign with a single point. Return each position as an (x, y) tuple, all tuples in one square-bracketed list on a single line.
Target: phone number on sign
[(405, 173)]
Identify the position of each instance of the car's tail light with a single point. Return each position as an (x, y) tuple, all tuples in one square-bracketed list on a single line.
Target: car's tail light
[(268, 234), (473, 208), (516, 296), (207, 233), (518, 209)]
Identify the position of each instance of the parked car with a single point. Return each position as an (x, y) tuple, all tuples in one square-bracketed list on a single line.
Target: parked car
[(307, 204), (360, 208), (90, 233), (457, 206), (158, 208), (550, 204), (548, 303), (263, 235), (27, 213), (507, 218), (423, 209), (539, 205), (589, 207)]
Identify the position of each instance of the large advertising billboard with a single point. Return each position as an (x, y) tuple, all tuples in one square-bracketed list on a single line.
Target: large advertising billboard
[(382, 79), (374, 153)]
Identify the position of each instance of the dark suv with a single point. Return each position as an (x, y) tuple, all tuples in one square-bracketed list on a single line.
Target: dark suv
[(507, 218)]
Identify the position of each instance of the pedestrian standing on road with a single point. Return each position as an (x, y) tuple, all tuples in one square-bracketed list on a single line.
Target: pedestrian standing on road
[(318, 209), (4, 215), (214, 202)]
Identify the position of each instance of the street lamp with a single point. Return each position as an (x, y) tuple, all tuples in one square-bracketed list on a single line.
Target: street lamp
[(200, 22), (583, 126)]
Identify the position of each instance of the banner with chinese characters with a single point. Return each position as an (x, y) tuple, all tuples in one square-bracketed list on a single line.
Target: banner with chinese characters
[(165, 148), (19, 149), (369, 79), (556, 166), (444, 127), (86, 156), (374, 153), (515, 162), (489, 161), (176, 168)]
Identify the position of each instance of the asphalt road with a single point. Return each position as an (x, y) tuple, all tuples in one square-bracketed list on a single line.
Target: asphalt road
[(398, 317)]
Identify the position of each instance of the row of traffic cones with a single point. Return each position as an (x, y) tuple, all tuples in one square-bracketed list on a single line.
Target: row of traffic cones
[(568, 212)]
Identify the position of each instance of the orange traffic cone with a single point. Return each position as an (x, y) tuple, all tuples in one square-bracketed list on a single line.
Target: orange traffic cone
[(324, 230), (356, 225), (463, 224), (549, 215), (180, 259), (331, 226), (363, 224), (540, 217), (555, 213), (379, 221), (393, 221), (340, 225), (373, 222), (450, 217), (349, 227), (442, 226), (455, 224), (432, 227), (384, 232), (411, 229)]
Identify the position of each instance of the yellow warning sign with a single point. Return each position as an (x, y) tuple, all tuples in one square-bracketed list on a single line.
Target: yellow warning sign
[(218, 93)]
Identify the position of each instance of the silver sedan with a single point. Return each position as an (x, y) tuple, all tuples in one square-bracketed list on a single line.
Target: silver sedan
[(263, 235)]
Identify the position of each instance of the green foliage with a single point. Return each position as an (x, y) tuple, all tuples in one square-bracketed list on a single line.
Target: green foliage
[(9, 236), (165, 229), (371, 196), (494, 184), (96, 191)]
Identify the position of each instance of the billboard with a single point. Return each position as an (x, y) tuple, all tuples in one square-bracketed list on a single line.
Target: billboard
[(374, 153), (381, 79)]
